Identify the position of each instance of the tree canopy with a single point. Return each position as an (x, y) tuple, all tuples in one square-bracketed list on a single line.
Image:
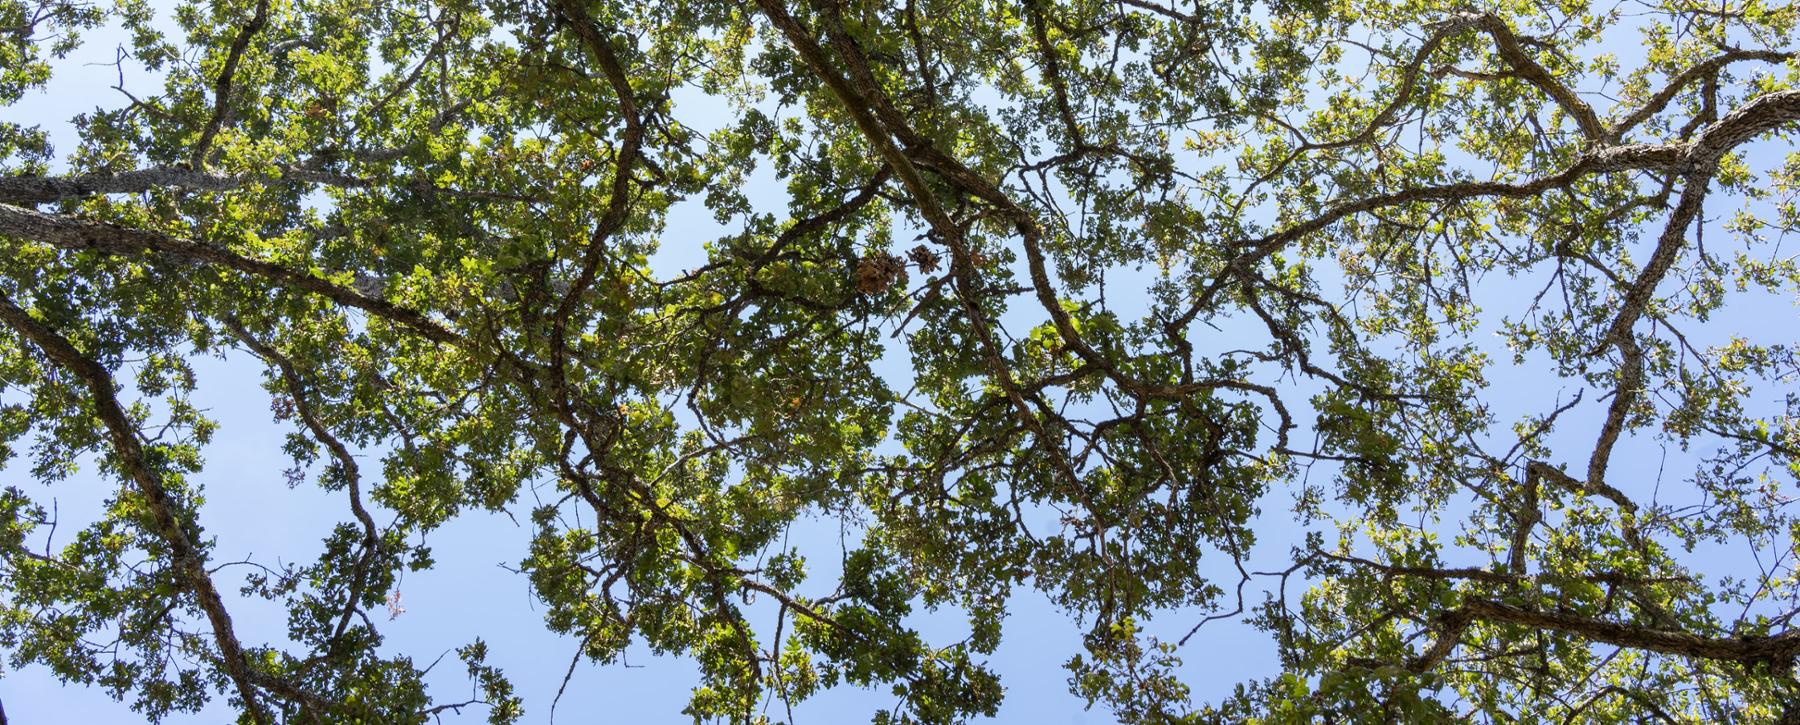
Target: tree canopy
[(1448, 344)]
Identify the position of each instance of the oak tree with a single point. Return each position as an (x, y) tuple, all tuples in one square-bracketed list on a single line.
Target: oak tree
[(1449, 344)]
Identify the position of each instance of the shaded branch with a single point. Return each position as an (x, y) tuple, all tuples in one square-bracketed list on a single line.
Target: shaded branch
[(82, 235), (1777, 650), (222, 86)]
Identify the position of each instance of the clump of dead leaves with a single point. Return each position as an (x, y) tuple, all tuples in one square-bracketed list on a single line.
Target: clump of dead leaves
[(879, 271)]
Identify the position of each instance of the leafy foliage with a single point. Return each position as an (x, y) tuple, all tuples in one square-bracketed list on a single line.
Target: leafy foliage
[(1351, 320)]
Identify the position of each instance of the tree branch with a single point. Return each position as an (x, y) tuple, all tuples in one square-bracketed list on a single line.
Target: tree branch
[(82, 235), (1777, 650), (189, 562), (222, 86)]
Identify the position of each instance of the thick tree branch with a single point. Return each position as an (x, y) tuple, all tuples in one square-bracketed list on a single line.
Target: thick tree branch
[(222, 86), (188, 561), (29, 190), (83, 235), (880, 124), (1777, 650), (1762, 115), (618, 207), (46, 189), (1507, 43)]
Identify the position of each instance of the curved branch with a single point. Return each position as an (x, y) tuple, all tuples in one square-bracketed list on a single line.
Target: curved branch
[(189, 561), (618, 203), (1762, 115), (297, 390), (1711, 65), (1777, 650), (222, 86), (1507, 44)]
